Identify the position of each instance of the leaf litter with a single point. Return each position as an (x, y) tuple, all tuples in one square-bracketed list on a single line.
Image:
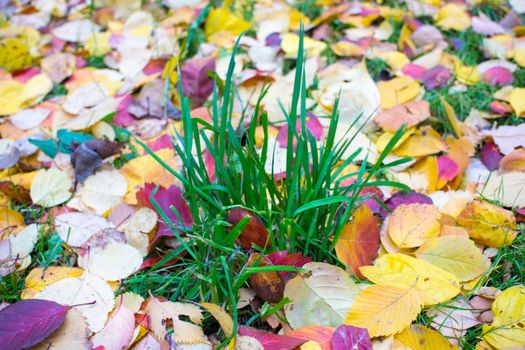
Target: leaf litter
[(262, 174)]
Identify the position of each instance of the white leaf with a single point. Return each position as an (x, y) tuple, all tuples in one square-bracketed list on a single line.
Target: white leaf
[(76, 30), (79, 290), (104, 190), (50, 187), (28, 119), (508, 137), (117, 334), (90, 116), (113, 262), (76, 228)]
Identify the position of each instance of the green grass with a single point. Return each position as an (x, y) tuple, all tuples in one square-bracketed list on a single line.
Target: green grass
[(469, 51), (304, 212)]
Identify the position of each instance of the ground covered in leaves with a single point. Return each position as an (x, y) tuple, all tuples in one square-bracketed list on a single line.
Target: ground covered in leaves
[(262, 174)]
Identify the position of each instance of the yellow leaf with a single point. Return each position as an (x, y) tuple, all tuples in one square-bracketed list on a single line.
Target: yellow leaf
[(507, 331), (14, 55), (455, 254), (51, 187), (385, 138), (221, 316), (410, 225), (385, 309), (10, 91), (321, 296), (423, 142), (35, 89), (72, 334), (437, 284), (488, 224), (290, 44), (452, 119), (395, 59), (98, 44), (220, 20), (397, 91), (10, 218), (466, 74), (453, 16), (39, 278), (505, 188), (311, 345), (428, 167), (517, 100), (417, 337), (144, 169), (519, 56)]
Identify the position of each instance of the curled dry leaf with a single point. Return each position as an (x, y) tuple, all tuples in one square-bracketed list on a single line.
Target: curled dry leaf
[(437, 285), (359, 241), (488, 224), (269, 286), (184, 332), (322, 295), (385, 309)]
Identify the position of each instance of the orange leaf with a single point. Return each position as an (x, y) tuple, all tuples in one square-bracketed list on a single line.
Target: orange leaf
[(359, 241)]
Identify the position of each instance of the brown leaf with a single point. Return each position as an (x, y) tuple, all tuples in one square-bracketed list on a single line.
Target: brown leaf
[(268, 286), (253, 233), (16, 192)]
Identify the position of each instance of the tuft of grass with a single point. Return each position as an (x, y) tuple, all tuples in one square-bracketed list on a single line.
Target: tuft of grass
[(304, 211), (468, 47)]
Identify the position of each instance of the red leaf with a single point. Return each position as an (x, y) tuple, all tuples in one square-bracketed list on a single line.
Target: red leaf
[(166, 197), (253, 233), (28, 322), (349, 337), (271, 341), (283, 258)]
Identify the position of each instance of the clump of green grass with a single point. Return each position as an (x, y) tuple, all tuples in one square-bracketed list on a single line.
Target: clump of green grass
[(469, 46), (304, 212)]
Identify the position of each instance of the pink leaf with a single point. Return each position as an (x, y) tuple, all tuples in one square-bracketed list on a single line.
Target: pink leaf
[(28, 322), (166, 197), (161, 142), (490, 156), (413, 70), (501, 107), (320, 334), (312, 124), (122, 117), (196, 84), (117, 334), (271, 341), (447, 168), (497, 76), (349, 337)]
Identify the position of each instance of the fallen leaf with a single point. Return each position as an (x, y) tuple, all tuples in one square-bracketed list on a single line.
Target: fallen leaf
[(104, 190), (423, 142), (457, 255), (409, 114), (453, 319), (505, 188), (76, 228), (253, 233), (39, 278), (80, 290), (323, 295), (513, 162), (321, 335), (184, 332), (410, 225), (397, 91), (269, 341), (350, 337), (117, 334), (196, 82), (50, 187), (138, 227), (417, 337), (506, 331), (28, 322), (436, 284), (269, 286), (221, 316), (488, 224), (507, 137), (72, 334), (359, 240), (385, 309)]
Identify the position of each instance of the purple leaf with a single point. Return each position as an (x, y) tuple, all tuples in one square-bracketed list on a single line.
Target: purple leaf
[(196, 84), (166, 197), (28, 322), (436, 77), (271, 341), (490, 156), (349, 337), (405, 198)]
